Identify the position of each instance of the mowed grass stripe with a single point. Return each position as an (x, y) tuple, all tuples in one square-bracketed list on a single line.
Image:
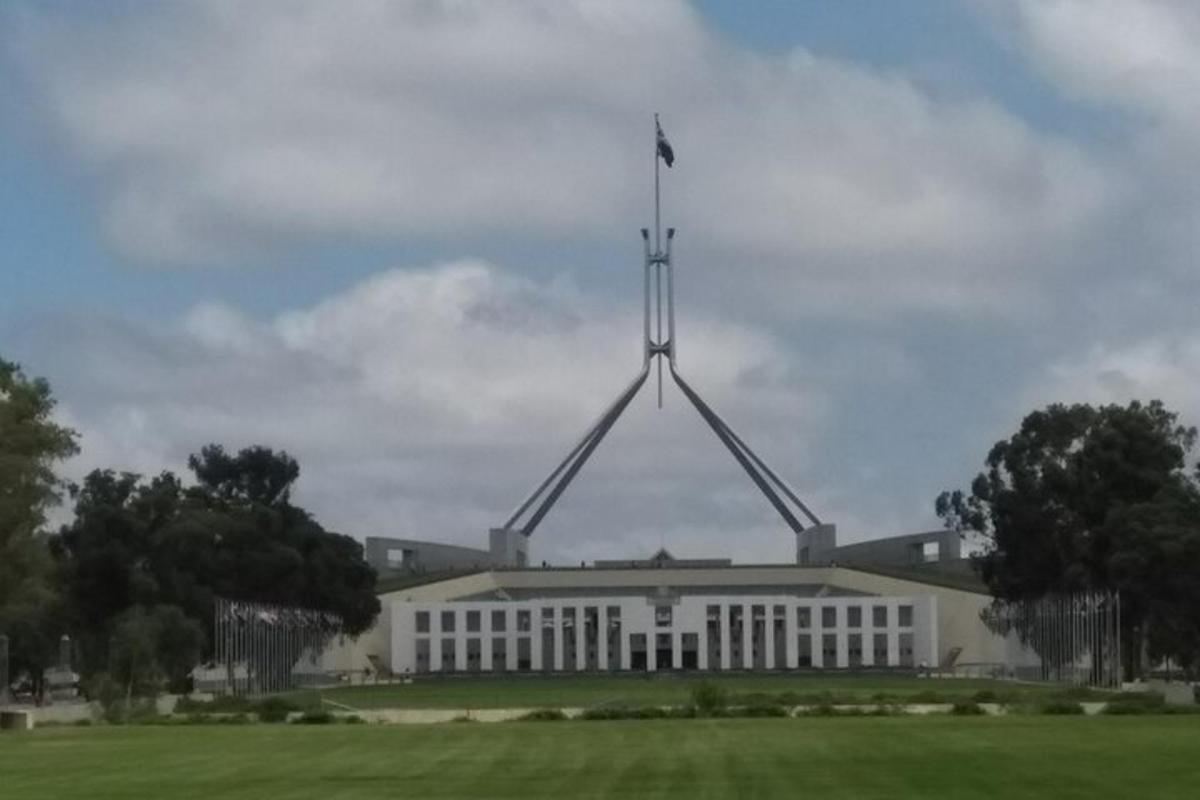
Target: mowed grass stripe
[(1018, 756)]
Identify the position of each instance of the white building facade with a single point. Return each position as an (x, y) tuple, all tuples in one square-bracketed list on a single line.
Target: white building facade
[(662, 631)]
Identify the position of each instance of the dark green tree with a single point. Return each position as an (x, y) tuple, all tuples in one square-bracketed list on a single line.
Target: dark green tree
[(234, 534), (1087, 498), (31, 443)]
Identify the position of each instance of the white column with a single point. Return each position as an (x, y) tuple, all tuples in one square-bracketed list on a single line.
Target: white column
[(626, 657), (602, 638), (790, 634), (435, 640), (676, 649), (580, 639), (559, 659), (485, 641), (652, 646), (843, 639), (460, 640), (817, 635), (747, 636), (868, 635), (535, 640), (893, 634), (769, 634), (724, 622), (702, 642), (510, 638)]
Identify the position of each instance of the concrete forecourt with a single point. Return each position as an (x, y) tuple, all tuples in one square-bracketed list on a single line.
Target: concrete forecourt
[(862, 757)]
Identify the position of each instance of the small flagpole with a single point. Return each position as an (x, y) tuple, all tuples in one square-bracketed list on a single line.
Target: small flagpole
[(657, 219)]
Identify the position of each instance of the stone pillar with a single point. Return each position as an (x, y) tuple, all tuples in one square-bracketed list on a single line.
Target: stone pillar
[(676, 650)]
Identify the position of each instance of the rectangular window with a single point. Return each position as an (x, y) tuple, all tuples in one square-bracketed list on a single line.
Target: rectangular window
[(854, 617), (523, 620), (829, 649), (472, 622), (805, 650), (879, 616), (881, 650), (447, 622), (906, 616), (614, 612), (906, 649), (422, 622), (854, 646), (662, 616), (803, 618), (498, 621), (777, 612), (829, 617)]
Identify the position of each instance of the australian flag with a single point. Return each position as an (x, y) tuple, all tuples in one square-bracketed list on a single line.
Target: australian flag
[(664, 147)]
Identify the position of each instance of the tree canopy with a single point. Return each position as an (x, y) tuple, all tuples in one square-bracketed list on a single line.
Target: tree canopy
[(156, 543), (1094, 498), (31, 443)]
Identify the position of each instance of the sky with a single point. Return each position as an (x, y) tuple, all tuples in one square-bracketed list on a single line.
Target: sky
[(399, 240)]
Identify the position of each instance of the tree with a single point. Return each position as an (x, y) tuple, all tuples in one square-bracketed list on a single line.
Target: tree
[(30, 445), (235, 534), (1094, 499)]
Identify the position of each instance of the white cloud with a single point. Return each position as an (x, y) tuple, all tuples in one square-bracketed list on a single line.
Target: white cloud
[(1163, 367), (218, 129), (425, 402)]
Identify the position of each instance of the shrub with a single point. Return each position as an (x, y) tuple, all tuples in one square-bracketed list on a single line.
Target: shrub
[(709, 698), (315, 718), (275, 709), (1060, 707), (985, 696), (763, 711), (966, 710), (355, 719), (543, 715), (1123, 709)]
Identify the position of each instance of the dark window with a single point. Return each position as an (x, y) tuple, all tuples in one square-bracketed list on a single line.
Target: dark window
[(472, 622), (829, 617), (448, 622), (523, 621), (803, 617), (854, 617), (879, 616), (498, 623), (906, 616), (422, 622)]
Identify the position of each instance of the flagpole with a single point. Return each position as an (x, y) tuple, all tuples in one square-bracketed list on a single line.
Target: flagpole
[(657, 254)]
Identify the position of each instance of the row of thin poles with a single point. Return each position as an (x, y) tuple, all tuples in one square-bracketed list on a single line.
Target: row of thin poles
[(263, 648), (1076, 637)]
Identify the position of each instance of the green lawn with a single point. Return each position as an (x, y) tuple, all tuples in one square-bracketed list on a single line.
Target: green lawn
[(662, 689), (829, 758)]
